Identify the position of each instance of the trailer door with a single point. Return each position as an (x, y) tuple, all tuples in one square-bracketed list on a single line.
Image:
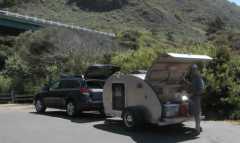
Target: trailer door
[(118, 96)]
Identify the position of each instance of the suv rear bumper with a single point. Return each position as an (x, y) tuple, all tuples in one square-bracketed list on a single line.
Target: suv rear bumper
[(91, 106)]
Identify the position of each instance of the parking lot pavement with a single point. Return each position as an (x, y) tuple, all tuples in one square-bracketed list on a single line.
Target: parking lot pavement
[(20, 124)]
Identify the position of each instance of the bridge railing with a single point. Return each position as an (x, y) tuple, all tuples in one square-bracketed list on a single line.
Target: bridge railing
[(52, 23), (12, 98)]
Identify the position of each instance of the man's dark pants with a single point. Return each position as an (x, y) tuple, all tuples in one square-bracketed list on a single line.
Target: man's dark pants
[(196, 110)]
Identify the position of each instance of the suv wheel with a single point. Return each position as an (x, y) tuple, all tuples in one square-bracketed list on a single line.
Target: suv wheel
[(71, 109), (39, 106)]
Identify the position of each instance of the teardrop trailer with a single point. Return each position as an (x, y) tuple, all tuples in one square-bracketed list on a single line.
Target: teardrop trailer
[(158, 97)]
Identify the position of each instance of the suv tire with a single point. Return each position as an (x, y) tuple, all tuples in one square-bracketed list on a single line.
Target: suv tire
[(39, 105), (71, 108)]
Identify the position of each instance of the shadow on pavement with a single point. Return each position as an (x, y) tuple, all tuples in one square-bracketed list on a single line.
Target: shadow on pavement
[(151, 133), (84, 117)]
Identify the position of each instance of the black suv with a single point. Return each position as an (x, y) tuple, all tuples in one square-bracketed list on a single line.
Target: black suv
[(76, 94)]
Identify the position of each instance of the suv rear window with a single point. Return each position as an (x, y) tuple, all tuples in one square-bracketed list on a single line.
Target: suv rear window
[(95, 84), (69, 84)]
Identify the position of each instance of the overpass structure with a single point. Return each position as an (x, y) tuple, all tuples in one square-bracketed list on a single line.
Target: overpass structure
[(14, 22)]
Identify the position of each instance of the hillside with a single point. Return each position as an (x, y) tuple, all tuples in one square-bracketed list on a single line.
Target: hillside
[(180, 18)]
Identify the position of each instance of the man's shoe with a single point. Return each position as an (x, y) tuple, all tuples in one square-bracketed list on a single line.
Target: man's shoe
[(196, 133)]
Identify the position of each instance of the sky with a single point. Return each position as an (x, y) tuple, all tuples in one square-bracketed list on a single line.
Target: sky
[(236, 1)]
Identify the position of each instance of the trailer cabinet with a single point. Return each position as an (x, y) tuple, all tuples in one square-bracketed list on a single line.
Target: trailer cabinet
[(158, 97)]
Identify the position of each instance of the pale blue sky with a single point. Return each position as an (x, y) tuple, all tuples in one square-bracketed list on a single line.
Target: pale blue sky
[(236, 1)]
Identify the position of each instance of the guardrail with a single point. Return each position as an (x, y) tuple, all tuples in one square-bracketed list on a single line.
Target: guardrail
[(53, 23), (8, 98)]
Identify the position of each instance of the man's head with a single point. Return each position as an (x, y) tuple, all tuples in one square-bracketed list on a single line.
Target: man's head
[(194, 70), (194, 67)]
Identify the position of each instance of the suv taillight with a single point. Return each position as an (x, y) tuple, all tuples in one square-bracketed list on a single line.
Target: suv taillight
[(85, 91)]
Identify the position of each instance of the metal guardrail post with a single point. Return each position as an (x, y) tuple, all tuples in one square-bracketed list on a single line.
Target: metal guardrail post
[(13, 96)]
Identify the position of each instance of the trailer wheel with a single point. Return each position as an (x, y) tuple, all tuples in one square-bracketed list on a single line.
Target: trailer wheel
[(102, 112), (132, 118)]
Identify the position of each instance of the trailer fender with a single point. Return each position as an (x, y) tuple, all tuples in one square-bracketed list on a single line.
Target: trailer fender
[(139, 111)]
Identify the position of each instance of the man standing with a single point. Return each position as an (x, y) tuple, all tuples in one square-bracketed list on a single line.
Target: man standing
[(197, 84)]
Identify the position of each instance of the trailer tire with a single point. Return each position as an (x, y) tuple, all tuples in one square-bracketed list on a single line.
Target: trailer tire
[(102, 112), (133, 118)]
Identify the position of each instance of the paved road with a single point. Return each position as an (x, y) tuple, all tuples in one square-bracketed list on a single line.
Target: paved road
[(19, 124)]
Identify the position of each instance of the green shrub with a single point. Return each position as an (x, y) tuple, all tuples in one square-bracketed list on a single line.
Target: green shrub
[(130, 39), (222, 92), (215, 26), (134, 60), (142, 58), (5, 84), (10, 2), (3, 58), (99, 5), (235, 115)]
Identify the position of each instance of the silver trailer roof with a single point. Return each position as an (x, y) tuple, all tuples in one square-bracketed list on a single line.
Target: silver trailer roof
[(182, 58), (190, 57)]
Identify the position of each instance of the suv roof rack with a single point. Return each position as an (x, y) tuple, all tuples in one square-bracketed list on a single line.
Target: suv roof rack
[(65, 76), (139, 72)]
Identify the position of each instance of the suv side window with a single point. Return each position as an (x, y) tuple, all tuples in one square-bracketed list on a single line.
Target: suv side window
[(55, 85), (69, 84)]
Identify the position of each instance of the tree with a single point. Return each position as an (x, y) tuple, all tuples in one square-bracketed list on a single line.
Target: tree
[(6, 48), (99, 5), (222, 98), (8, 3)]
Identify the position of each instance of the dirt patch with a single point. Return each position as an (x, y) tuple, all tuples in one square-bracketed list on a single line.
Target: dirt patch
[(236, 122), (16, 107)]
